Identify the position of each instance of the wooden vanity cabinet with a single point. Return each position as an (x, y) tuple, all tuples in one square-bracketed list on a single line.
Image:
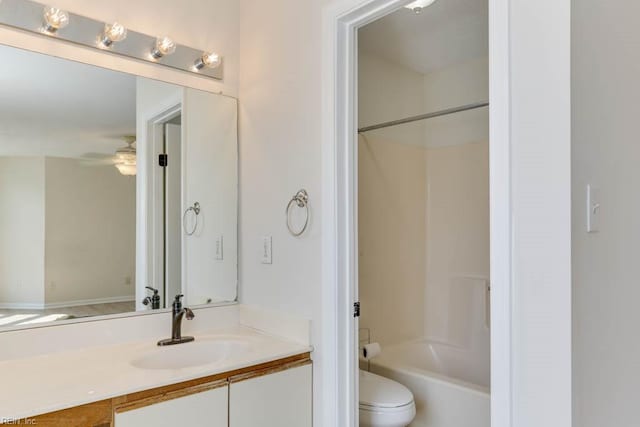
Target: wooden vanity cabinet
[(272, 394)]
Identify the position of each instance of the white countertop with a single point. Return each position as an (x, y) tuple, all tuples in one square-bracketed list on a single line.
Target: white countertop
[(47, 383)]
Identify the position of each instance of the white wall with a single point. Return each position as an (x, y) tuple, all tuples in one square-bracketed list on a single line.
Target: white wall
[(21, 231), (457, 235), (454, 86), (540, 137), (388, 91), (90, 232), (280, 110), (280, 106), (605, 153), (68, 232), (424, 206), (209, 176), (210, 136), (392, 202), (457, 232)]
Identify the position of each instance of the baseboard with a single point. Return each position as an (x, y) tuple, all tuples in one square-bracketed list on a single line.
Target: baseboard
[(21, 306), (76, 303), (61, 304)]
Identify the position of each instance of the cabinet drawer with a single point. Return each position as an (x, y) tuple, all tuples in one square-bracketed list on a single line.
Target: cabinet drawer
[(207, 408), (281, 399)]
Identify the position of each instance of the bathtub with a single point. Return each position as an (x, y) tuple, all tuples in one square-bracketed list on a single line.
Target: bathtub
[(451, 388)]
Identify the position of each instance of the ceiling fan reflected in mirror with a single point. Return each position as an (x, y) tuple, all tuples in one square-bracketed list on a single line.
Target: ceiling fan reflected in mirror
[(125, 157), (419, 5)]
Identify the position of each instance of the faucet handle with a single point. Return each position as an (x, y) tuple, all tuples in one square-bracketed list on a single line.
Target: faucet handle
[(176, 302)]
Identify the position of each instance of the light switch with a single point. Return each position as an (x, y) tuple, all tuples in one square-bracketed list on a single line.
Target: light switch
[(219, 248), (266, 250), (593, 209)]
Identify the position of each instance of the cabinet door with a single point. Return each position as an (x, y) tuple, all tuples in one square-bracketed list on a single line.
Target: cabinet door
[(282, 399), (204, 409)]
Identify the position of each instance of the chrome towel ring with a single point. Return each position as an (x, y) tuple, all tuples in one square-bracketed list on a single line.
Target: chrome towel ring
[(301, 199), (196, 210)]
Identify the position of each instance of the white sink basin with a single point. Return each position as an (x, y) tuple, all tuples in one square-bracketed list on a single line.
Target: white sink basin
[(196, 353)]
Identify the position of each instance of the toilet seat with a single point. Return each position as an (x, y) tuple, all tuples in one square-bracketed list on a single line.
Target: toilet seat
[(384, 402)]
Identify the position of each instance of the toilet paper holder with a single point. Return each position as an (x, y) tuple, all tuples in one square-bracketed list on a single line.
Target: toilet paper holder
[(362, 342)]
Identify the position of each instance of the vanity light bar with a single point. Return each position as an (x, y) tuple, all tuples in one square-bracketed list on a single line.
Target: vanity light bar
[(113, 37)]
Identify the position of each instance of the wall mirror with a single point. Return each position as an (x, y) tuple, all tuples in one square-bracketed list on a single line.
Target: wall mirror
[(117, 192)]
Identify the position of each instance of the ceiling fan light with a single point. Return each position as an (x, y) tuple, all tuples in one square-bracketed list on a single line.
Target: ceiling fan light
[(125, 169), (125, 158), (418, 5)]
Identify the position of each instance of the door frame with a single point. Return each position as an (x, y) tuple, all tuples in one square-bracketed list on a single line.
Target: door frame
[(149, 190), (339, 357)]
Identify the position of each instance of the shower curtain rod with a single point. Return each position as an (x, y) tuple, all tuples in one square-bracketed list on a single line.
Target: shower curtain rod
[(424, 116)]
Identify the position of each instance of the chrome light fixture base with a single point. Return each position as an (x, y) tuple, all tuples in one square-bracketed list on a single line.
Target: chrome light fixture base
[(28, 15)]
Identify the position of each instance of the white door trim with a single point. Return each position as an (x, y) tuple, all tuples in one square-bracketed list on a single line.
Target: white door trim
[(500, 206), (148, 190), (338, 358)]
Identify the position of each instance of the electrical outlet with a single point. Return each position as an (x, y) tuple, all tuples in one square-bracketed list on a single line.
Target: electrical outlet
[(267, 250)]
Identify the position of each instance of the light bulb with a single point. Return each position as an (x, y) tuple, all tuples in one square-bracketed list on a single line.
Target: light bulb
[(113, 33), (418, 5), (164, 46), (210, 60), (55, 19)]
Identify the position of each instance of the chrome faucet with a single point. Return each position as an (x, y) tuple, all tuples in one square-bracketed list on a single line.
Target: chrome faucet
[(176, 324)]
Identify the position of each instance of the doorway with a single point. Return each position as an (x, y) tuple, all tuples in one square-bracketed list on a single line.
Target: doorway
[(340, 263), (162, 170), (530, 210), (171, 170), (423, 214)]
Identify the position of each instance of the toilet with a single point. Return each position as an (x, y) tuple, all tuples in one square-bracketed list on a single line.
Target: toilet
[(384, 402)]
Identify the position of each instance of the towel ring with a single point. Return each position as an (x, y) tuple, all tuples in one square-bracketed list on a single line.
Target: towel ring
[(301, 198), (196, 210)]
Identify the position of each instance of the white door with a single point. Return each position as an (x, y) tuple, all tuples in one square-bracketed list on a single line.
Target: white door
[(204, 409), (282, 399), (173, 211)]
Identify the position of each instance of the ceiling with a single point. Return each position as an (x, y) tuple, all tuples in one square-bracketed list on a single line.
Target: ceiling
[(55, 107), (446, 33)]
